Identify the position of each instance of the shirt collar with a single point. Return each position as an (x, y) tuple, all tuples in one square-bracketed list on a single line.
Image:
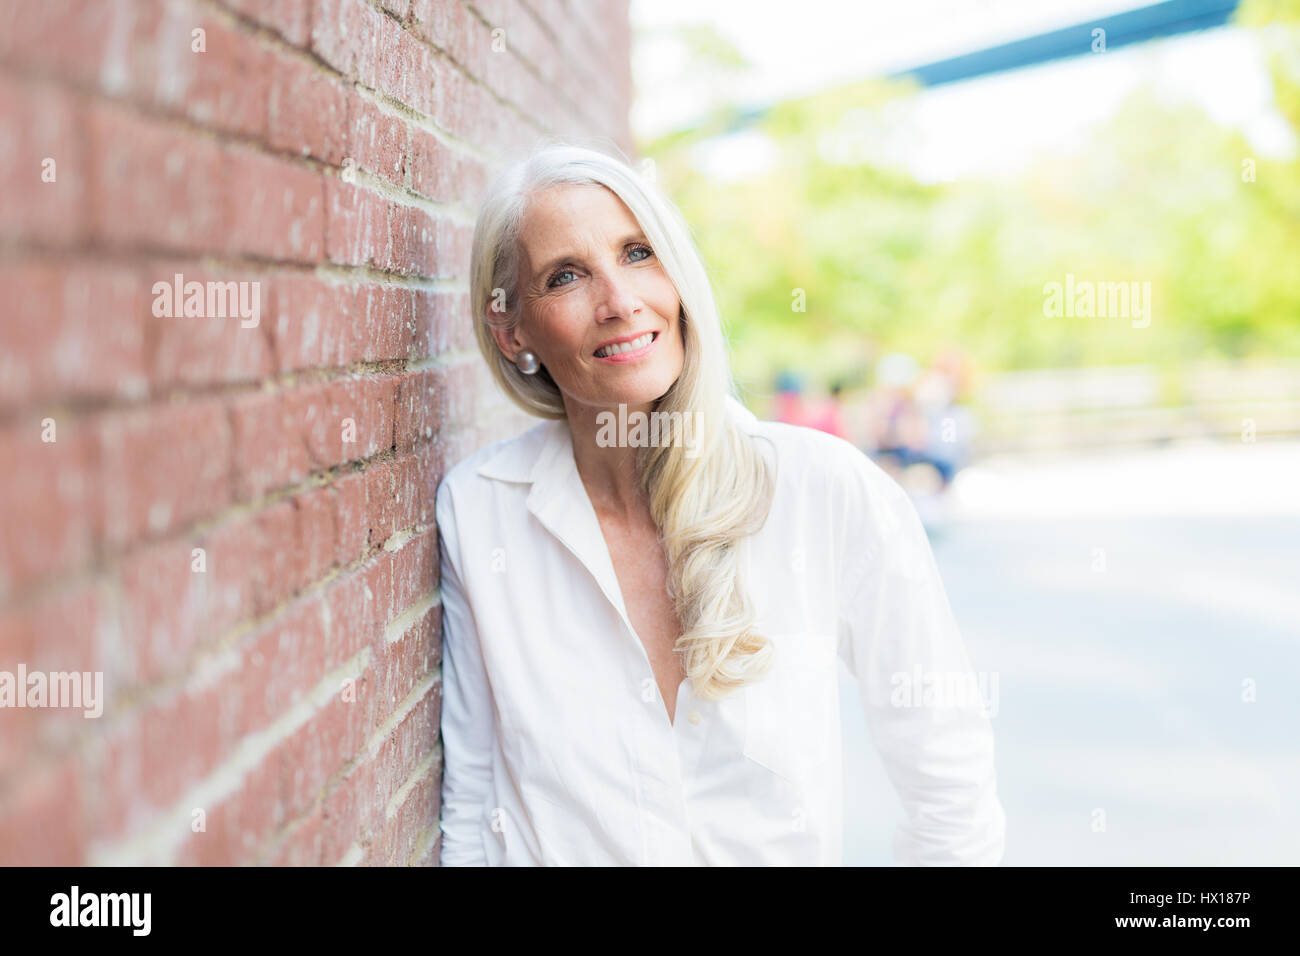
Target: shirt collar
[(543, 457), (541, 449)]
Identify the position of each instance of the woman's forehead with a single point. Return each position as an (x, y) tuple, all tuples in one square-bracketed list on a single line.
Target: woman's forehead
[(561, 213)]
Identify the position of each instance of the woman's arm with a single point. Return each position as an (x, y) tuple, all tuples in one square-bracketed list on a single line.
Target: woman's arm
[(468, 722), (901, 641)]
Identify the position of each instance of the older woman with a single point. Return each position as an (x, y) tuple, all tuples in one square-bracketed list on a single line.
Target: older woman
[(645, 595)]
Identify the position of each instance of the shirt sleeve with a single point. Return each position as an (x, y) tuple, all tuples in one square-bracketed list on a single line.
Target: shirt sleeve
[(468, 722), (923, 702)]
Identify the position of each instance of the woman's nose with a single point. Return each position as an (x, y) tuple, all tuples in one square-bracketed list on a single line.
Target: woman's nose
[(615, 297)]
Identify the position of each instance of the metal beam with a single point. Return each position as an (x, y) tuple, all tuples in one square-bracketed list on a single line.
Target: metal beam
[(1121, 29)]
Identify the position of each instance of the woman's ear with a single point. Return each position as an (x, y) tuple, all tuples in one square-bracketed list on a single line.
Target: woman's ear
[(507, 341)]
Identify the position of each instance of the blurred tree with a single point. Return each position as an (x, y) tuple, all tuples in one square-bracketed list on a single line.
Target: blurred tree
[(878, 261)]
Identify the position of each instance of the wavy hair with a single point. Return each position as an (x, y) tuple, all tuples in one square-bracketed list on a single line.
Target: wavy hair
[(704, 503)]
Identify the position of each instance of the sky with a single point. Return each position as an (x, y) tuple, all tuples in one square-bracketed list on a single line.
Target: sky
[(989, 126)]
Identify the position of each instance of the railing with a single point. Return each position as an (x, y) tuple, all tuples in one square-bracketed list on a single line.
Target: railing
[(1050, 409)]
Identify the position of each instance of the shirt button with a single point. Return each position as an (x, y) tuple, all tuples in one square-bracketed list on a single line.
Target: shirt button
[(694, 717)]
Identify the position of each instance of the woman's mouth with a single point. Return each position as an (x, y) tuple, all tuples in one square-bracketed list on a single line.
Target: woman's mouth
[(628, 351)]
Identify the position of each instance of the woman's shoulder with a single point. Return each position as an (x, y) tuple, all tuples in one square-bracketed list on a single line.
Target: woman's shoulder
[(507, 458), (813, 464), (813, 453)]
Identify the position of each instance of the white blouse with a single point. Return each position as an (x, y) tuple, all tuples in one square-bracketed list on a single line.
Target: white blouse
[(556, 741)]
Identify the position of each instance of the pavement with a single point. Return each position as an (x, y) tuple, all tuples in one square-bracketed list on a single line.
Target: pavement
[(1142, 610)]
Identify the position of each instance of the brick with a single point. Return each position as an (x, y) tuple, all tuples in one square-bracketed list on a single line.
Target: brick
[(280, 438), (70, 331), (344, 33), (304, 844), (315, 752), (283, 661), (142, 764), (276, 209), (400, 833), (291, 19), (163, 467), (311, 322), (412, 658), (359, 602), (318, 532), (454, 99), (433, 167), (349, 493), (442, 323), (347, 420), (307, 110), (415, 571), (356, 224), (41, 821), (70, 39), (456, 392), (267, 452), (429, 470), (280, 563), (412, 250), (61, 631), (377, 140), (417, 407), (222, 87), (408, 745), (390, 499), (404, 69), (452, 251), (170, 608), (151, 185), (448, 26), (42, 125), (207, 349), (344, 810), (383, 323), (50, 509)]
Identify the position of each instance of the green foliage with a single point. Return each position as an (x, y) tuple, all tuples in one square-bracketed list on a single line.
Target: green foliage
[(1158, 195)]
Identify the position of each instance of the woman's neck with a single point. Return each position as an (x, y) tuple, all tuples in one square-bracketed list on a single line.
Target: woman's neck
[(606, 462)]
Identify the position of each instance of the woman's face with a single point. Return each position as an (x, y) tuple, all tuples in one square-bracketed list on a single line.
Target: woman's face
[(588, 279)]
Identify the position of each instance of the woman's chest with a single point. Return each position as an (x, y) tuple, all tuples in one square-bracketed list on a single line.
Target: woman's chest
[(641, 568), (576, 686)]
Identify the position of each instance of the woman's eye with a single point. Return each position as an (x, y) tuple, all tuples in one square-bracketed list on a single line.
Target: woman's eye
[(552, 284)]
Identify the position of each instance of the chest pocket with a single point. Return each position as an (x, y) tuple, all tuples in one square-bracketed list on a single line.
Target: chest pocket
[(792, 714)]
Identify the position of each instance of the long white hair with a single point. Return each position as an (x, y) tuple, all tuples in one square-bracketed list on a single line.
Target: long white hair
[(703, 503)]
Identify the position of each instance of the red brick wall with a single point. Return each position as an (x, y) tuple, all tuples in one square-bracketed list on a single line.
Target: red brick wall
[(274, 696)]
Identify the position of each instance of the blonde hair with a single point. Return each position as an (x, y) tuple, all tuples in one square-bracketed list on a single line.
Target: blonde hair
[(703, 503)]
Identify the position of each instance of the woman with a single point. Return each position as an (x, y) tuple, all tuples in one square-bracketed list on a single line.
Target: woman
[(644, 595)]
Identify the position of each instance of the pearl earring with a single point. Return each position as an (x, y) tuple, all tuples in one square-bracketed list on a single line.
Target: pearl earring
[(526, 362)]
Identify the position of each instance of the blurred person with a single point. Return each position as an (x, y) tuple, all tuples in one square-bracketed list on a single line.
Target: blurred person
[(899, 432), (948, 425), (830, 416), (789, 405)]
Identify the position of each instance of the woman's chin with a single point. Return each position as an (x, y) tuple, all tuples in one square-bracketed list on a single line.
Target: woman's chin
[(645, 391)]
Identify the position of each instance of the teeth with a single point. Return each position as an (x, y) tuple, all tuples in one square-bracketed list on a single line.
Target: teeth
[(638, 343)]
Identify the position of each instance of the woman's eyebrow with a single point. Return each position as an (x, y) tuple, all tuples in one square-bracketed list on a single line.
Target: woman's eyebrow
[(567, 256)]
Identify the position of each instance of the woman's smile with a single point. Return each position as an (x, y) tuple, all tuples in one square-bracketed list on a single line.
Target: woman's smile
[(628, 349)]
